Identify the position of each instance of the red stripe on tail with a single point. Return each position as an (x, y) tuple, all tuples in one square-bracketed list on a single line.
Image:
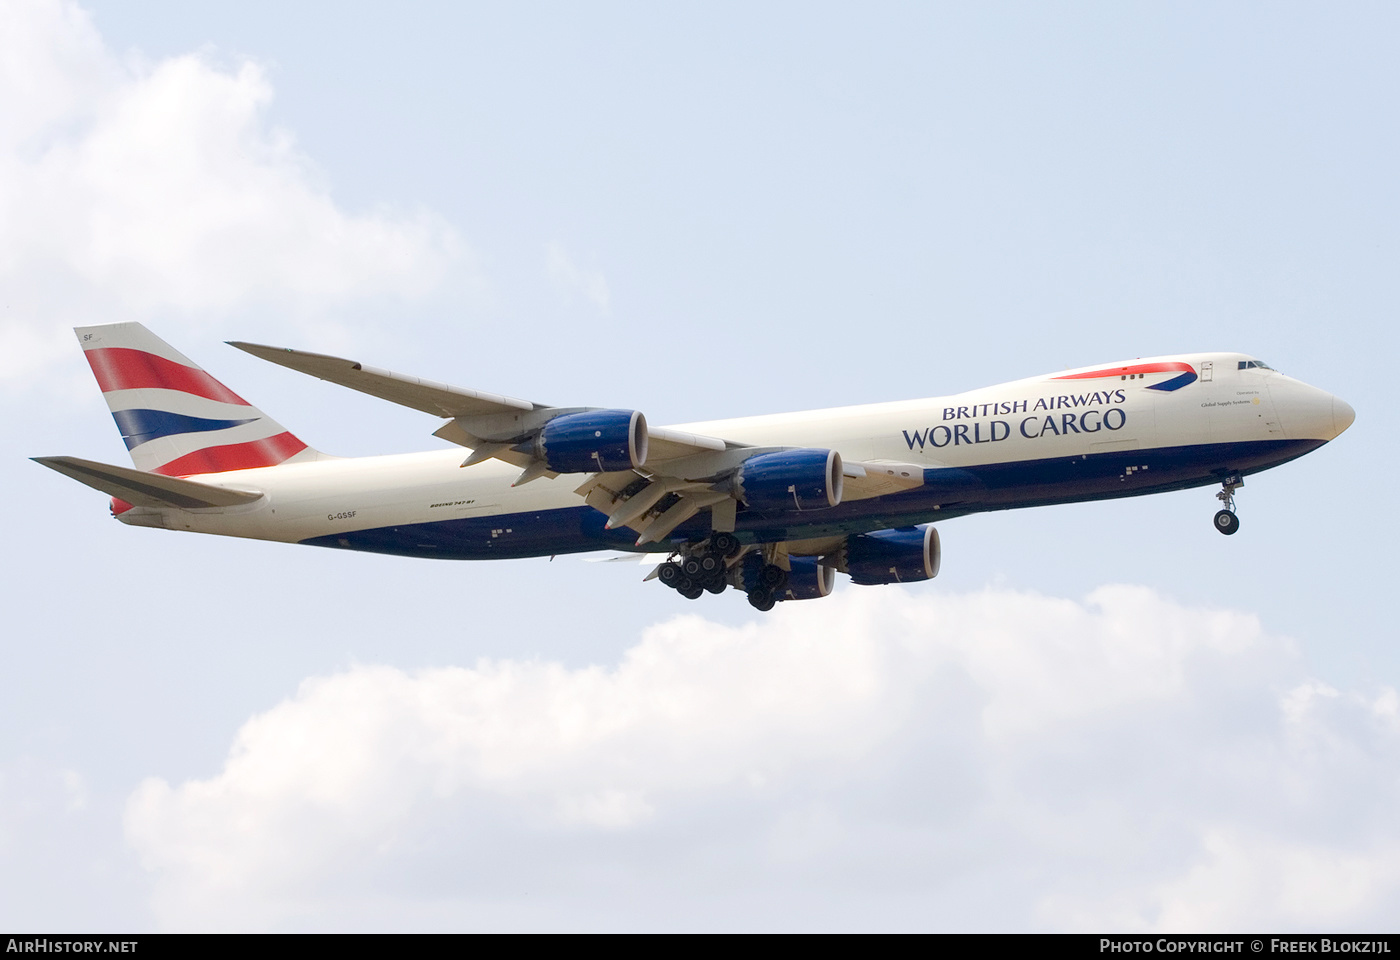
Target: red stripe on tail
[(234, 456), (121, 368)]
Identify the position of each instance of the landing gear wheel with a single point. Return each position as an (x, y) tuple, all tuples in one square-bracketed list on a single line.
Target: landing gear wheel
[(710, 565), (691, 591), (724, 544), (773, 576), (1226, 522), (762, 598), (670, 573), (716, 585)]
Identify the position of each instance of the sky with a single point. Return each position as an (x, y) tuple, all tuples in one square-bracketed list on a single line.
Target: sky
[(1099, 716)]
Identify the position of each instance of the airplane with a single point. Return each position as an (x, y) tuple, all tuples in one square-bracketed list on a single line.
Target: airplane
[(774, 506)]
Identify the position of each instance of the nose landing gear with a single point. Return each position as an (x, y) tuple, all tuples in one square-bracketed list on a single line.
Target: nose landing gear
[(1225, 520)]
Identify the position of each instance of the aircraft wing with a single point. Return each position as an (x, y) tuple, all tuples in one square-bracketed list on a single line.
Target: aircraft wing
[(487, 423), (684, 473)]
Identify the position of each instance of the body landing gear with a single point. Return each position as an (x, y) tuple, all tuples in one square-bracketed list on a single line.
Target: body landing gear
[(1225, 520), (701, 567), (762, 598), (712, 566)]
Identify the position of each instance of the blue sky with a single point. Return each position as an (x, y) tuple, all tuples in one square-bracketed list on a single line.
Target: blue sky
[(700, 212)]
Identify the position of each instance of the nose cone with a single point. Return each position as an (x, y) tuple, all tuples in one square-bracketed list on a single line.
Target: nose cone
[(1307, 413), (1342, 415)]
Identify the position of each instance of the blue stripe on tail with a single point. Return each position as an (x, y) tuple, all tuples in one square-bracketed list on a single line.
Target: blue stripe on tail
[(139, 426)]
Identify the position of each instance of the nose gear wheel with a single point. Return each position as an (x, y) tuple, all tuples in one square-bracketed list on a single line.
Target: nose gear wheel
[(1225, 520)]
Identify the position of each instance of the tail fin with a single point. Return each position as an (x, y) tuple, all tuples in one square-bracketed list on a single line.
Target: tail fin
[(175, 419)]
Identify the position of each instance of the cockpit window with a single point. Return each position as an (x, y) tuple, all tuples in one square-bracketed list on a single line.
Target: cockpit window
[(1251, 364)]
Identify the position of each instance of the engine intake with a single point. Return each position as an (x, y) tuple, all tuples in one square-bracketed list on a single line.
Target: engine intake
[(803, 479), (904, 555), (593, 442)]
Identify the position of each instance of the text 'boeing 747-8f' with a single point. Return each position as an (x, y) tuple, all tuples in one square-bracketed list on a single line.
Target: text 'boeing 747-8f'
[(772, 505)]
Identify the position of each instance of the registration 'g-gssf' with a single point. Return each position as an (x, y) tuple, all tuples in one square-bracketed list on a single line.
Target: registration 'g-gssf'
[(774, 506)]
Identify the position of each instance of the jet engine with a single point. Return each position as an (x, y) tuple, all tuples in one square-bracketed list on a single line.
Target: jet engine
[(806, 479), (808, 579), (595, 441), (893, 556)]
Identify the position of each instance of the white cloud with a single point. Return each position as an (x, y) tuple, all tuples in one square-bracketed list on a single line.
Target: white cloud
[(131, 188), (882, 758), (65, 866), (1242, 878), (590, 284)]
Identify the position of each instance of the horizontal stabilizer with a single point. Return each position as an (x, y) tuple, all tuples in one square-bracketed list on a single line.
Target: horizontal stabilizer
[(439, 399), (143, 489)]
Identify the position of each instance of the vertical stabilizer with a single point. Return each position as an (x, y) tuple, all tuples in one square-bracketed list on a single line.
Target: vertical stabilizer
[(175, 419)]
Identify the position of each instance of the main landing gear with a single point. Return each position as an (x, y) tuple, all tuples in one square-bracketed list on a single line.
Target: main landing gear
[(771, 579), (713, 565), (1225, 520)]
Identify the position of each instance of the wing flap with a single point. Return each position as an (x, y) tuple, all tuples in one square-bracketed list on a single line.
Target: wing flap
[(146, 489)]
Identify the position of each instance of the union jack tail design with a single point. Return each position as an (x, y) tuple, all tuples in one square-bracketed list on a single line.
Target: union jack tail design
[(175, 419)]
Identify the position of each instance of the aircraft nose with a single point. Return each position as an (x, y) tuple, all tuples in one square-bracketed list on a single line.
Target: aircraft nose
[(1342, 415), (1306, 412)]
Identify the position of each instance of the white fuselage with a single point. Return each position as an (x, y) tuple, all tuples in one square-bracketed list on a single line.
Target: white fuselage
[(1061, 437)]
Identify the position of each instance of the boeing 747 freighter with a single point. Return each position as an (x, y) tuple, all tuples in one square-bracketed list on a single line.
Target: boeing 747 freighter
[(775, 506)]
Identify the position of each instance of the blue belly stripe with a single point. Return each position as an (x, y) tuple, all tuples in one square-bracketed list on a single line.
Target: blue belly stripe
[(947, 493)]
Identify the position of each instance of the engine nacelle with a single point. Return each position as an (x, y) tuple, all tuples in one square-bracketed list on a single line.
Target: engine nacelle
[(808, 479), (808, 580), (593, 442), (894, 556)]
